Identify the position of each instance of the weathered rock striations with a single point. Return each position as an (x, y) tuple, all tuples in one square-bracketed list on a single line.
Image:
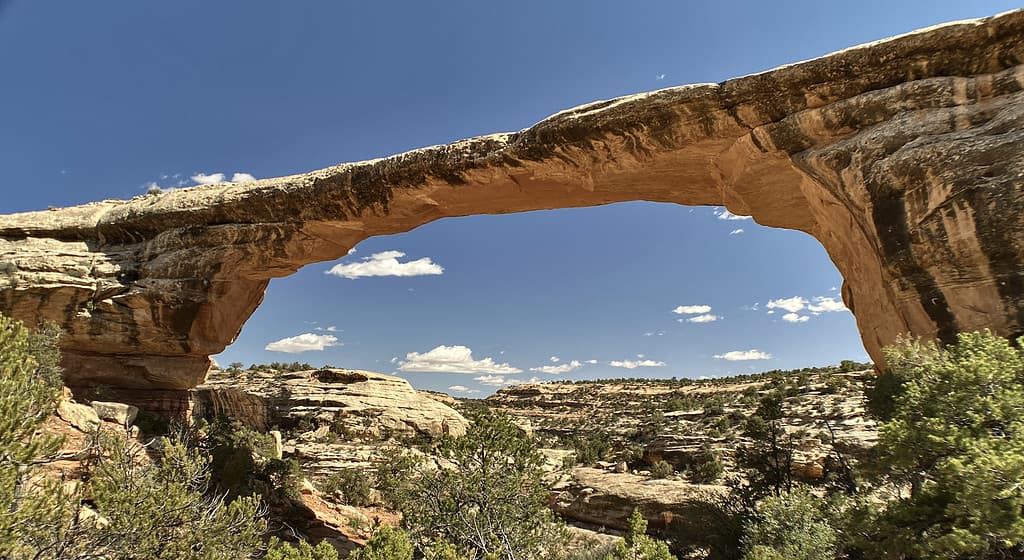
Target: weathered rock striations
[(357, 401), (902, 157)]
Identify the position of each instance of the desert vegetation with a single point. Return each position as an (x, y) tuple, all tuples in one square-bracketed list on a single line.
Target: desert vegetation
[(941, 480)]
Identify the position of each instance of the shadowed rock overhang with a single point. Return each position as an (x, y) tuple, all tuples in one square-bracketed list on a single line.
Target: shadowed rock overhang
[(904, 158)]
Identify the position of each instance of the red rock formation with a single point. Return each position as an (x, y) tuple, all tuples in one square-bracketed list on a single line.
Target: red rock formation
[(903, 158)]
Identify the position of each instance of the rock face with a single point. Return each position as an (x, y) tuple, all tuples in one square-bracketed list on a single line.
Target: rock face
[(902, 157), (348, 400)]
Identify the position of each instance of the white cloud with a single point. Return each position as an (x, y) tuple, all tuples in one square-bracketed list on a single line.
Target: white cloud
[(795, 318), (453, 359), (331, 328), (500, 380), (305, 342), (633, 364), (736, 231), (462, 389), (708, 318), (591, 362), (741, 355), (555, 370), (242, 178), (793, 304), (655, 333), (691, 309), (826, 305), (554, 359), (386, 264), (833, 288), (724, 214), (659, 77), (204, 179)]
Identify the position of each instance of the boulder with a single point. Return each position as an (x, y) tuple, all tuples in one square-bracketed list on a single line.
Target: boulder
[(122, 414), (79, 415)]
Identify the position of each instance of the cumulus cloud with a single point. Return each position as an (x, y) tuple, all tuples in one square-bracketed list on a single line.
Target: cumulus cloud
[(826, 305), (736, 231), (555, 370), (305, 342), (453, 359), (242, 178), (386, 263), (795, 318), (633, 364), (743, 355), (793, 304), (707, 318), (462, 389), (724, 214), (591, 362), (691, 309), (208, 179), (500, 380)]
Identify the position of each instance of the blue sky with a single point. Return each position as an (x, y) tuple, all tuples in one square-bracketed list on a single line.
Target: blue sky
[(102, 99)]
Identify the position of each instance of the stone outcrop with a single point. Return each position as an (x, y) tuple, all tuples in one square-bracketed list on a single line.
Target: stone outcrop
[(902, 157), (599, 498), (370, 404)]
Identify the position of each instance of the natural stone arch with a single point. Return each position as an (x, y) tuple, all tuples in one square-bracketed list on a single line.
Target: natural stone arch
[(904, 158)]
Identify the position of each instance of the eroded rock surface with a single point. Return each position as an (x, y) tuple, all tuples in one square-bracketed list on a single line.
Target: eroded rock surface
[(370, 404), (902, 157)]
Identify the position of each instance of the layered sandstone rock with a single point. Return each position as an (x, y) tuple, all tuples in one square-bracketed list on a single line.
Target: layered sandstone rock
[(902, 157), (370, 404)]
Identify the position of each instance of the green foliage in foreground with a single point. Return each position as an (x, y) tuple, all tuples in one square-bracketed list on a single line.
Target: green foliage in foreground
[(637, 545), (793, 526), (301, 551), (952, 445), (388, 543), (950, 458), (491, 499), (126, 507)]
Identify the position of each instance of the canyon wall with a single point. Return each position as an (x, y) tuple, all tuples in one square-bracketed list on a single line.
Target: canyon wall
[(904, 158)]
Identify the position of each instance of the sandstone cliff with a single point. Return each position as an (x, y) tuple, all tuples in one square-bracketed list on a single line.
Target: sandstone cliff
[(902, 157), (370, 403)]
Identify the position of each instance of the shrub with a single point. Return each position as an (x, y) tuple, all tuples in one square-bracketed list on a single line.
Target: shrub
[(705, 467), (351, 484), (491, 499), (791, 526), (636, 545), (661, 469), (301, 551), (387, 543)]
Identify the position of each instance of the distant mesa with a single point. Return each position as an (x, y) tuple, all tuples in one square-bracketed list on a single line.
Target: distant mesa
[(903, 158)]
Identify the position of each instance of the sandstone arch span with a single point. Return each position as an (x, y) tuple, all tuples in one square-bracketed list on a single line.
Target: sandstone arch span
[(904, 158)]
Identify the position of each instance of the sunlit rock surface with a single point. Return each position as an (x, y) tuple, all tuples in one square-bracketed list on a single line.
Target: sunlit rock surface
[(902, 157)]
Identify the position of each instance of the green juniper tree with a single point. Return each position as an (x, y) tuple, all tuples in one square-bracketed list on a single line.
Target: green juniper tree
[(129, 506), (951, 444), (488, 498)]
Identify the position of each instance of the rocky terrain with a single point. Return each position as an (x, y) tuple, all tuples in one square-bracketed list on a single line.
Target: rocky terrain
[(612, 446), (608, 435), (902, 157)]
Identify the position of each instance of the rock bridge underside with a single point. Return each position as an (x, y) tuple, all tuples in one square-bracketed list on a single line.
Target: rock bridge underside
[(904, 158)]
